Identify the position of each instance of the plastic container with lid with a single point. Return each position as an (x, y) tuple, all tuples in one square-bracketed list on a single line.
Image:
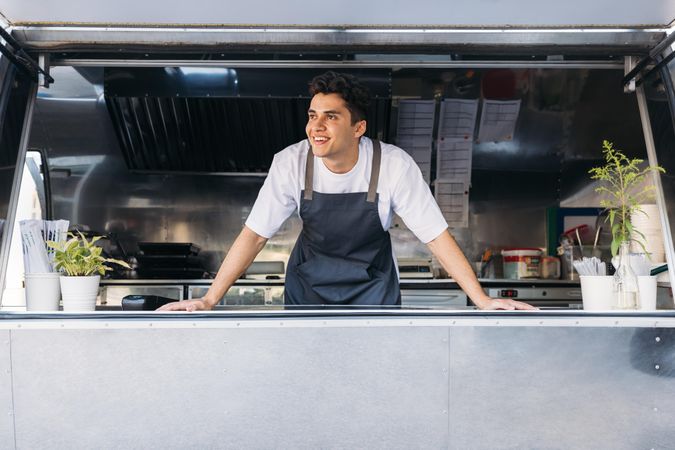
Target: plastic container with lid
[(521, 263)]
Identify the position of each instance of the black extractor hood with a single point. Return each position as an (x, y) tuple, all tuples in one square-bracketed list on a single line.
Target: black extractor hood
[(217, 120)]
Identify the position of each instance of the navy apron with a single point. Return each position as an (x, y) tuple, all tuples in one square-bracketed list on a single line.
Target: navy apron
[(343, 255)]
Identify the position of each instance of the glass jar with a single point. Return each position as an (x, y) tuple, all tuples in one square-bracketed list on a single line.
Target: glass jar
[(625, 281)]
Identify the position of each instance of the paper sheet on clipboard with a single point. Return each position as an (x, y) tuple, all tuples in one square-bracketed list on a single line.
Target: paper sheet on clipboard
[(453, 199), (415, 131), (458, 119), (498, 120), (453, 160)]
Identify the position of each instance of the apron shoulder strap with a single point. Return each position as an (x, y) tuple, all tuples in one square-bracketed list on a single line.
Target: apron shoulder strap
[(309, 173), (374, 174), (375, 171)]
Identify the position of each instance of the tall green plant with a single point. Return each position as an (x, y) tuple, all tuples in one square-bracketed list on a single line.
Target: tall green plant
[(624, 191), (80, 257)]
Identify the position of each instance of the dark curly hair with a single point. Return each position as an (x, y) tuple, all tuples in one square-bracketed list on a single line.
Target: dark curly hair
[(355, 94)]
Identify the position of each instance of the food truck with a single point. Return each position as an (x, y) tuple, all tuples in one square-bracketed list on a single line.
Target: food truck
[(155, 125)]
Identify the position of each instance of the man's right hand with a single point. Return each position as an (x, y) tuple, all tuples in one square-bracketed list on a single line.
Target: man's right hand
[(198, 304)]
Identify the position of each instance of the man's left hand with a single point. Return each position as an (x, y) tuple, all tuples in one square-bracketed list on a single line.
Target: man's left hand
[(504, 303)]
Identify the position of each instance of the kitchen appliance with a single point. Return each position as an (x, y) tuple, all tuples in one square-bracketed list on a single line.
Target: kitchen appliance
[(265, 270), (415, 268), (540, 296), (169, 260)]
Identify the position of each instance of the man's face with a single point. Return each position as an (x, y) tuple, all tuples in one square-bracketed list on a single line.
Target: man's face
[(329, 126)]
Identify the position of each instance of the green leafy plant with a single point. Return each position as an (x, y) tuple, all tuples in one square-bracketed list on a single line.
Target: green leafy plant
[(624, 191), (81, 257)]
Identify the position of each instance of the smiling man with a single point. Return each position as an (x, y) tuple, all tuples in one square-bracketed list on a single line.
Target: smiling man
[(346, 189)]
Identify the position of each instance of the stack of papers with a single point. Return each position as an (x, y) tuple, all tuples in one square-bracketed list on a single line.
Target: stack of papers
[(415, 131), (37, 258), (454, 152), (455, 140)]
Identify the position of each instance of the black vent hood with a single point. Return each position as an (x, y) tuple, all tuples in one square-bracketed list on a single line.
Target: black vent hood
[(185, 119)]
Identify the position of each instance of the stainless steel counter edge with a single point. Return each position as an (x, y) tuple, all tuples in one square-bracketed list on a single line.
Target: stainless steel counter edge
[(338, 318), (404, 281)]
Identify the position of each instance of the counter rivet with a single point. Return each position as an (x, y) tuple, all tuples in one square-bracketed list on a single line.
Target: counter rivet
[(149, 324), (18, 325), (658, 339), (281, 324), (367, 323), (497, 322), (62, 325), (238, 324), (224, 370), (410, 322), (445, 411), (107, 324), (454, 322), (616, 322), (576, 323), (224, 342), (657, 367), (194, 324), (541, 322), (325, 323)]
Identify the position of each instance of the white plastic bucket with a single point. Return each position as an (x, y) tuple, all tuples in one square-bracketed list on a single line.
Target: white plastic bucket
[(597, 292), (43, 291), (79, 293), (521, 263)]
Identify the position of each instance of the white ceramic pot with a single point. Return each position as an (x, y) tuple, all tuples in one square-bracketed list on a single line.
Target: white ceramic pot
[(79, 293)]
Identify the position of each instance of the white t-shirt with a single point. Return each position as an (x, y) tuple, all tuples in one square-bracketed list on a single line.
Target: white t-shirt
[(401, 189)]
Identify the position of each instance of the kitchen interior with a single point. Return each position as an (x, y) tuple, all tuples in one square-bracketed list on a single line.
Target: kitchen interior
[(166, 162)]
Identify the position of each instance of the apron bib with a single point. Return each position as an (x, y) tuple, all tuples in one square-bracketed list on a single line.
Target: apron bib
[(343, 256)]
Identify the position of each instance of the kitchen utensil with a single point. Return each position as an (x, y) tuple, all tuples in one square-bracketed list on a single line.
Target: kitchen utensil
[(590, 267)]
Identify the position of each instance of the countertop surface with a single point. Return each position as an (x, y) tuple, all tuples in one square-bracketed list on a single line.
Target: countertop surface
[(486, 282)]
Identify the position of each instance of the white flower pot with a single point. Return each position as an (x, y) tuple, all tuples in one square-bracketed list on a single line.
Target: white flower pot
[(79, 293)]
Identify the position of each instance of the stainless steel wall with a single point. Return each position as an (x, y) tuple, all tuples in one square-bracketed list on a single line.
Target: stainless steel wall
[(459, 381), (565, 114)]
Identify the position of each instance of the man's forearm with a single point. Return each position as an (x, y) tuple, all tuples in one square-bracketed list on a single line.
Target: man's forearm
[(242, 253), (448, 253)]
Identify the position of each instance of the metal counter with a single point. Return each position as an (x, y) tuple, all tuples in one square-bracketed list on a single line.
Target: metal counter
[(349, 379), (418, 293)]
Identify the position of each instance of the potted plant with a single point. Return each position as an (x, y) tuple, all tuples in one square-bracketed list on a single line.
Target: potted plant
[(624, 190), (81, 265)]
